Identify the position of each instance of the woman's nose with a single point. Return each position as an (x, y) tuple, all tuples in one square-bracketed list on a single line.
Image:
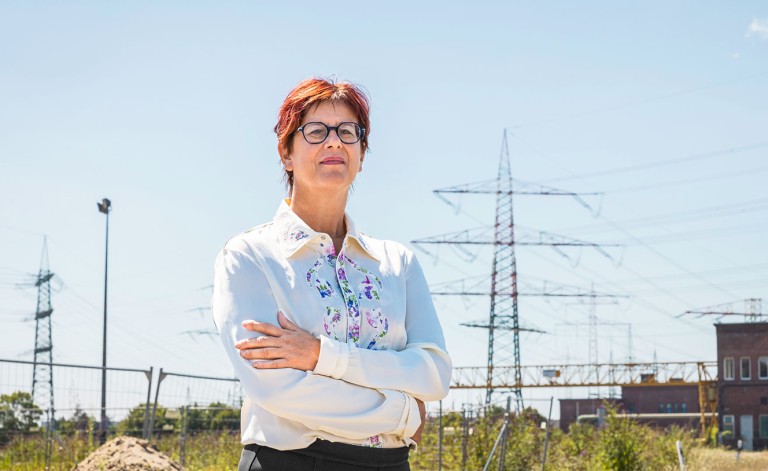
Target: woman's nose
[(333, 139)]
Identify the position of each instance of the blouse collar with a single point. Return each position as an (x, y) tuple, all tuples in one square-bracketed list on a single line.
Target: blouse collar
[(293, 233)]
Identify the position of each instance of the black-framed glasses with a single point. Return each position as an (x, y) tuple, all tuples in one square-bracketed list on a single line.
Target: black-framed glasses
[(317, 133)]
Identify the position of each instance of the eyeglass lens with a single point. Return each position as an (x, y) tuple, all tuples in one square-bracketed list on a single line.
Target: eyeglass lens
[(315, 133)]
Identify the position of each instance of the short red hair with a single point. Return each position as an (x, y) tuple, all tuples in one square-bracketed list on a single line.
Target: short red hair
[(312, 92)]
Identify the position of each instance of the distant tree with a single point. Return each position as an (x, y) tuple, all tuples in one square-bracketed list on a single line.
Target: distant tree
[(18, 414), (196, 419), (80, 423), (223, 417), (133, 424), (216, 416)]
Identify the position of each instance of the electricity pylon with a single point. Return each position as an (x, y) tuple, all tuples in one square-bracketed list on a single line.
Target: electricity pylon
[(504, 314), (42, 372)]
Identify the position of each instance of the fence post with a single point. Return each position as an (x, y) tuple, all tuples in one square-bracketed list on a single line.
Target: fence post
[(464, 436), (502, 434), (680, 455), (160, 377), (546, 436), (440, 439), (48, 439), (503, 455), (145, 428), (183, 439)]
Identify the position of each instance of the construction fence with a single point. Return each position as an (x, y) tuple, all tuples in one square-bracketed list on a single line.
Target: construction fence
[(159, 405), (194, 419)]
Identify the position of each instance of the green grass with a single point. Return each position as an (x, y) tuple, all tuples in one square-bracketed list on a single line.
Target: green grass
[(622, 445)]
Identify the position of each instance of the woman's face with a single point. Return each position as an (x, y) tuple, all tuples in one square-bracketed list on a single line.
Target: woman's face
[(330, 165)]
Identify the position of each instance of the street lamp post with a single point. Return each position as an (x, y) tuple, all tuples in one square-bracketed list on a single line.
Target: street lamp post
[(104, 207)]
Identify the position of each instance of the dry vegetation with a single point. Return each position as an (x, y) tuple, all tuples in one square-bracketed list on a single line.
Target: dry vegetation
[(708, 459), (622, 445)]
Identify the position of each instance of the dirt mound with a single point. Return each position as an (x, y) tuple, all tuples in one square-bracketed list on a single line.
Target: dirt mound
[(128, 454)]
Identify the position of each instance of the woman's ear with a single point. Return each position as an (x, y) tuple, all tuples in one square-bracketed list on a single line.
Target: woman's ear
[(285, 157)]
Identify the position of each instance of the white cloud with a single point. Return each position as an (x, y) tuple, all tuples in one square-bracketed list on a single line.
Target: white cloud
[(759, 28)]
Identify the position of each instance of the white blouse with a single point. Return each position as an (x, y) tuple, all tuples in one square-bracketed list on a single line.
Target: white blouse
[(381, 342)]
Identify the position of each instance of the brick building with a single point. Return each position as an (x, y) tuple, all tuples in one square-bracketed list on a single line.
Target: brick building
[(572, 409), (742, 372), (742, 392), (657, 404)]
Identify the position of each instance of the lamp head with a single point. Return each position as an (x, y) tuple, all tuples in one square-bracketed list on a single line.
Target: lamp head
[(104, 206)]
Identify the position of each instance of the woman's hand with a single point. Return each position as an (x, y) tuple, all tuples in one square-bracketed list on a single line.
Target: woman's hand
[(286, 346), (423, 413)]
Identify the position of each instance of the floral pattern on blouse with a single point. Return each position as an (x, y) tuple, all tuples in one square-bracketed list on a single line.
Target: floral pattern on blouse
[(378, 323), (323, 286), (298, 235), (368, 289), (331, 323), (370, 285), (372, 442)]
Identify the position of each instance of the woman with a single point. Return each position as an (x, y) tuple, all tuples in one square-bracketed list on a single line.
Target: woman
[(332, 333)]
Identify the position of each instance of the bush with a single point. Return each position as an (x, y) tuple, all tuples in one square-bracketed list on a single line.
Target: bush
[(18, 415), (620, 444)]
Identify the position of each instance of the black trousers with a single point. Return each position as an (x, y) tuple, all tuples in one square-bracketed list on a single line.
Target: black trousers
[(324, 456)]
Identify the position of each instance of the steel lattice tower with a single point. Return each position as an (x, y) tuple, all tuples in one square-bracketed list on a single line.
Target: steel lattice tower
[(504, 273), (42, 373), (503, 316)]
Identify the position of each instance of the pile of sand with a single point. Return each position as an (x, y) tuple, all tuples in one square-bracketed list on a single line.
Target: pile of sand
[(128, 454)]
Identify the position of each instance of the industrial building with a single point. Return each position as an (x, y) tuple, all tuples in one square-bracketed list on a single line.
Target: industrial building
[(739, 394), (742, 383), (658, 404)]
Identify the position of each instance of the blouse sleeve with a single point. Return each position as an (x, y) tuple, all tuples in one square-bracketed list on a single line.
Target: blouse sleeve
[(422, 369), (241, 292)]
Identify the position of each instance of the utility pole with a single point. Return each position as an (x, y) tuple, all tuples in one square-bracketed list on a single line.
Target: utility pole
[(42, 373), (104, 207), (504, 316)]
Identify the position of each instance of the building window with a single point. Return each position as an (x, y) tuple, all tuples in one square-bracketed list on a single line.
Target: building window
[(675, 408), (728, 372), (661, 408), (684, 408), (728, 421), (762, 367), (746, 368), (669, 408), (764, 426)]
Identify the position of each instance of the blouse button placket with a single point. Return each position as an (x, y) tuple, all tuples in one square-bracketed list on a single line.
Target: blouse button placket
[(353, 311)]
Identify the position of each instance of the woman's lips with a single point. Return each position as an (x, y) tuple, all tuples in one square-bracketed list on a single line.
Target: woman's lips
[(332, 161)]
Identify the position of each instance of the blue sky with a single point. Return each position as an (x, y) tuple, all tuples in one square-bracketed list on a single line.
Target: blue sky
[(167, 109)]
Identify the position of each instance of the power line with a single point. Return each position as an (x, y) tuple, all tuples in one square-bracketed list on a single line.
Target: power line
[(759, 204), (752, 312), (630, 104), (687, 181), (665, 162)]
